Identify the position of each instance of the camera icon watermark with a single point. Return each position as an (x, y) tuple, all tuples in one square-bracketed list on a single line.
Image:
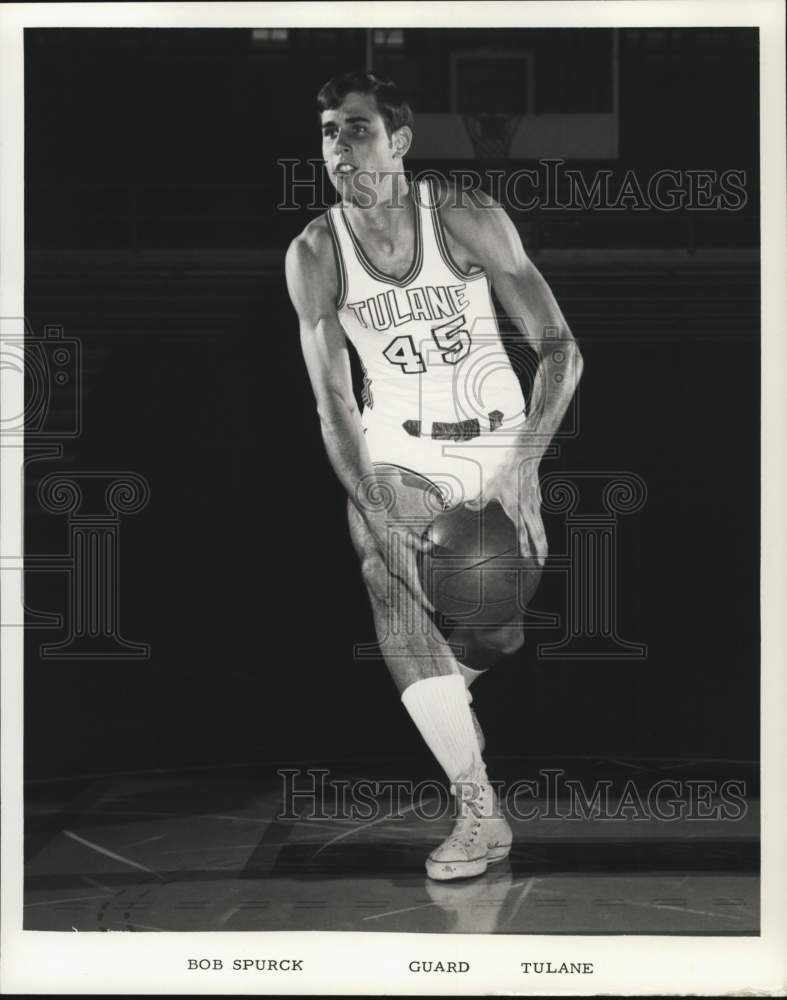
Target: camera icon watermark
[(49, 406)]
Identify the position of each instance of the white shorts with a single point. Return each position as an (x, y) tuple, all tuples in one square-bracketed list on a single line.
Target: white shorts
[(460, 469)]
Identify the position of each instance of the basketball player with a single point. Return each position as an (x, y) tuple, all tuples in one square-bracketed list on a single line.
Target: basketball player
[(403, 271)]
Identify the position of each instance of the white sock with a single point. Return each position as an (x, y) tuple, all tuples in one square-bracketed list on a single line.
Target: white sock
[(438, 706), (469, 675)]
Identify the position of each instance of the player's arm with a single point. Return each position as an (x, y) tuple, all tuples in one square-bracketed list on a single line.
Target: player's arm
[(311, 280), (491, 239), (324, 345)]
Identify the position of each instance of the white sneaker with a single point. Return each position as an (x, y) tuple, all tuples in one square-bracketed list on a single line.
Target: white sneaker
[(480, 836)]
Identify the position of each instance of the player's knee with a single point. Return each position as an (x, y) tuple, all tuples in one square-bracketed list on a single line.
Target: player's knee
[(506, 641)]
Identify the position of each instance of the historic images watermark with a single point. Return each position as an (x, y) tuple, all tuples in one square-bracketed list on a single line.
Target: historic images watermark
[(550, 185), (311, 794), (92, 502)]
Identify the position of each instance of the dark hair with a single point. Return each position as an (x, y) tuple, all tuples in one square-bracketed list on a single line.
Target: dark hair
[(390, 101)]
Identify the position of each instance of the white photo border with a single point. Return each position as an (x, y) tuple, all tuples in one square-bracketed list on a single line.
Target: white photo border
[(363, 963)]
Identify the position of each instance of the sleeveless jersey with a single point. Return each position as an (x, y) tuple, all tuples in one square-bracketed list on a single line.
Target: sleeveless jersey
[(428, 342)]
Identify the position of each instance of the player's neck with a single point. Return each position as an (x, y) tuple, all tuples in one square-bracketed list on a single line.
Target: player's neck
[(390, 208)]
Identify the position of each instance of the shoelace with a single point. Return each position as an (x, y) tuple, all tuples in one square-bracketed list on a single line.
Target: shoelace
[(471, 804), (464, 835)]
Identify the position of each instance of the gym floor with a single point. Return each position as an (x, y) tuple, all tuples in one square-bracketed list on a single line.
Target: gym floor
[(209, 851)]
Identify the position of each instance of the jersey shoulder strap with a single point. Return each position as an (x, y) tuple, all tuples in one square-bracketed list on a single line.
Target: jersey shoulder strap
[(430, 197), (339, 253)]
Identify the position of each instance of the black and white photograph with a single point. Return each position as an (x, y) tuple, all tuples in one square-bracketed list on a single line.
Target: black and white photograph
[(392, 548)]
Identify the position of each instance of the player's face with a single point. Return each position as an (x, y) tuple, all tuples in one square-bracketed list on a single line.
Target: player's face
[(357, 149)]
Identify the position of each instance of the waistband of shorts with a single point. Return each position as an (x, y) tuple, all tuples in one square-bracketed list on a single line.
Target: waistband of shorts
[(455, 430)]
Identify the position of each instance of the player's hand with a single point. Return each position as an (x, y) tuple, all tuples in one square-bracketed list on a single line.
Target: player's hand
[(516, 488)]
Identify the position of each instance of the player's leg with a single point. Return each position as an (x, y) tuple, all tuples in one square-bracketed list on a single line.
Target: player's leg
[(483, 646), (432, 689), (412, 647), (411, 654)]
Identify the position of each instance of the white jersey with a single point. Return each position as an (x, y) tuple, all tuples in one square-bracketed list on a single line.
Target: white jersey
[(429, 341)]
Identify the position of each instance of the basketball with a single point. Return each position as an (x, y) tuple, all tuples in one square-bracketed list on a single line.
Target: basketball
[(474, 574)]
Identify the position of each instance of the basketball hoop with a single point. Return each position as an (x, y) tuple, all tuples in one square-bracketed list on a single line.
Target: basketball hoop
[(491, 134)]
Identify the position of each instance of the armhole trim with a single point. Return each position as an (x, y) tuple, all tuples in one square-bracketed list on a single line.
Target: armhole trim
[(341, 271), (442, 243)]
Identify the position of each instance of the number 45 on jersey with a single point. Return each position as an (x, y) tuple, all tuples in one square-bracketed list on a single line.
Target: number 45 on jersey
[(452, 338)]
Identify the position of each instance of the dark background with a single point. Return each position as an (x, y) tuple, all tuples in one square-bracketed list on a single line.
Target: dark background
[(154, 239)]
